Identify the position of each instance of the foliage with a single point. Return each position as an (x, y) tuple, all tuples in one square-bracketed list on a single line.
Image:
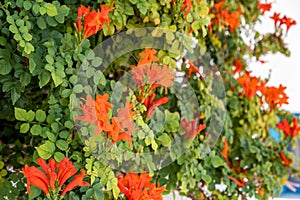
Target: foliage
[(116, 111)]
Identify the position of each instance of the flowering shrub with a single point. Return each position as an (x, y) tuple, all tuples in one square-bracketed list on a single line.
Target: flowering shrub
[(143, 98)]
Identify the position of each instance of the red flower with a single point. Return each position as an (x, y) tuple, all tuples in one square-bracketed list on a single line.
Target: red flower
[(275, 97), (239, 182), (78, 181), (224, 17), (137, 187), (250, 84), (89, 113), (191, 128), (188, 5), (192, 69), (147, 57), (81, 13), (285, 160), (288, 22), (151, 105), (53, 173), (36, 178), (93, 20), (125, 118), (263, 7), (238, 66), (276, 18), (225, 149), (289, 130)]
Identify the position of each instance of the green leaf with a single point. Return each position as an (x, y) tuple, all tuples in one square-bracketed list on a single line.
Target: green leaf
[(64, 134), (24, 128), (13, 28), (30, 115), (44, 78), (41, 22), (98, 194), (55, 127), (164, 139), (216, 161), (56, 78), (36, 129), (40, 115), (34, 192), (46, 150), (27, 5), (69, 124), (27, 37), (25, 79), (62, 145), (20, 114), (5, 67), (28, 48), (15, 95), (78, 88), (50, 9), (58, 156), (42, 10), (99, 78), (206, 178), (51, 136)]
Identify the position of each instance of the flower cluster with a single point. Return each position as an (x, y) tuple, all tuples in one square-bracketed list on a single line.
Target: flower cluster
[(93, 21), (191, 128), (53, 176), (287, 129), (263, 7), (273, 96), (96, 112), (278, 22), (139, 187), (225, 17), (149, 76)]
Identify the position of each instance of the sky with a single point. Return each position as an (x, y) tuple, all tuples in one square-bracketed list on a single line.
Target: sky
[(285, 70)]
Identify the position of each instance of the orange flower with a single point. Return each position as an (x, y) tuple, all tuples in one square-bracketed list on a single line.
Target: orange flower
[(125, 118), (89, 113), (151, 74), (93, 20), (36, 178), (116, 133), (147, 57), (289, 130), (97, 112), (275, 97), (102, 107), (288, 22), (191, 128), (225, 149), (192, 69), (151, 105), (55, 174), (276, 18), (224, 17), (81, 13), (250, 84), (238, 66), (78, 181), (286, 161), (66, 170), (188, 5), (263, 7), (137, 187), (240, 183)]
